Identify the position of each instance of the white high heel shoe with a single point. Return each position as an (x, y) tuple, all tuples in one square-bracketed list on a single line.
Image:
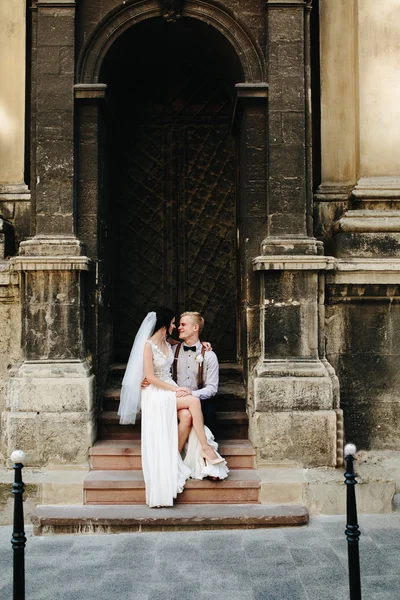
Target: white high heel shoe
[(215, 461)]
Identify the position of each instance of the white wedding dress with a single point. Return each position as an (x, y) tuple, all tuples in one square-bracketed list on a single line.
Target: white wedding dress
[(164, 471)]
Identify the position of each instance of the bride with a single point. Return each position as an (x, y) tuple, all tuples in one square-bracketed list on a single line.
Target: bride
[(164, 471)]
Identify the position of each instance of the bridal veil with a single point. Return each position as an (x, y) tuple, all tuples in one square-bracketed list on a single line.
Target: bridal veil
[(131, 384)]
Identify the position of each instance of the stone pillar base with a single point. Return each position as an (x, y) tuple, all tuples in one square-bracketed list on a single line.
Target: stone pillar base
[(51, 414), (307, 437), (293, 416)]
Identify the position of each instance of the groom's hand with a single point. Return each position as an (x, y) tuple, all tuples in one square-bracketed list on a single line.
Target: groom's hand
[(181, 392), (144, 384)]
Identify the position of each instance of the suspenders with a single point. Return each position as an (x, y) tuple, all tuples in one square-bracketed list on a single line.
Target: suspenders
[(175, 366), (200, 371), (175, 363)]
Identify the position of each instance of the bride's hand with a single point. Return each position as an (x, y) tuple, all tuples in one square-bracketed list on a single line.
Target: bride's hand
[(181, 392), (207, 346)]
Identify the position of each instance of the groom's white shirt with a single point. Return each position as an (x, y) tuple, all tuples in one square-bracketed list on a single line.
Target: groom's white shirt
[(188, 368)]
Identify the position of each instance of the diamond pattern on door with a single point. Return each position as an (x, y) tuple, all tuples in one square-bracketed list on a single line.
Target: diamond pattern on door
[(209, 205), (144, 235)]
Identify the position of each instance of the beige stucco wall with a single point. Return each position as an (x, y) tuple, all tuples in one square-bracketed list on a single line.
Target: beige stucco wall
[(379, 80), (12, 91)]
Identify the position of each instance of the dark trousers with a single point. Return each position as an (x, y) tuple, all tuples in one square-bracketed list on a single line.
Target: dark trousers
[(209, 415)]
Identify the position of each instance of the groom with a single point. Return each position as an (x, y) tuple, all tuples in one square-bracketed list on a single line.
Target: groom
[(196, 369)]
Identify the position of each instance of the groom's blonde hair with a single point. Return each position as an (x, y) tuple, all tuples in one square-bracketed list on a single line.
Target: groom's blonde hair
[(196, 317)]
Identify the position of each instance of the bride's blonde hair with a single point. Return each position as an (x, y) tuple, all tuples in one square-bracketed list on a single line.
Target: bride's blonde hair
[(196, 317)]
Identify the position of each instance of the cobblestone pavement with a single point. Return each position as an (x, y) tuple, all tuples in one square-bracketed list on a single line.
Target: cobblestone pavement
[(304, 563)]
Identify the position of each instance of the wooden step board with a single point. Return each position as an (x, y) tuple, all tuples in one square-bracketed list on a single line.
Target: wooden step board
[(50, 520), (127, 487), (230, 425), (126, 454)]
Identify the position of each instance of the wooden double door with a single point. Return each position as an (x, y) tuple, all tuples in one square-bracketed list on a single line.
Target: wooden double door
[(175, 224)]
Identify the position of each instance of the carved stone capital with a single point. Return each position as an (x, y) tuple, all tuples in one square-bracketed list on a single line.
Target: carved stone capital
[(54, 4), (289, 4), (50, 263), (293, 263), (291, 246), (90, 91), (51, 246)]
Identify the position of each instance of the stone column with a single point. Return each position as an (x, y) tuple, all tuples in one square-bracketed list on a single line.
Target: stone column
[(14, 193), (293, 399), (53, 107), (372, 227), (289, 164), (250, 123), (93, 219), (51, 394), (339, 114)]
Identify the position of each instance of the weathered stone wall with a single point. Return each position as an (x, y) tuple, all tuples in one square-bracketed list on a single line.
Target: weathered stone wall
[(10, 341), (363, 327)]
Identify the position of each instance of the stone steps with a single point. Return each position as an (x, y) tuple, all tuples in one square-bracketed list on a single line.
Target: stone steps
[(230, 425), (127, 487), (114, 490), (50, 520), (126, 454), (230, 403)]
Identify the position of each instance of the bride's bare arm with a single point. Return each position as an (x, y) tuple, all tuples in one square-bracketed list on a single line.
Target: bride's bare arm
[(149, 372)]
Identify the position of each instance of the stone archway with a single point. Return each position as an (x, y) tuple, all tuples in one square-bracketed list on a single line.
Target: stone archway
[(247, 114), (129, 14)]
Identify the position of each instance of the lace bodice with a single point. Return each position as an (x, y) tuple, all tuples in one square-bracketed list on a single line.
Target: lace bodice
[(161, 363)]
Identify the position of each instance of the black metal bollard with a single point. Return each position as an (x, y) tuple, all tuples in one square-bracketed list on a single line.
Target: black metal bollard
[(18, 539), (352, 530)]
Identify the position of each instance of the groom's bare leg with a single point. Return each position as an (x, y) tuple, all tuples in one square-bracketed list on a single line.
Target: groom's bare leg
[(184, 427)]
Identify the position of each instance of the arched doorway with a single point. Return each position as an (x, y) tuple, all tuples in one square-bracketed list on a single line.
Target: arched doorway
[(172, 192)]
